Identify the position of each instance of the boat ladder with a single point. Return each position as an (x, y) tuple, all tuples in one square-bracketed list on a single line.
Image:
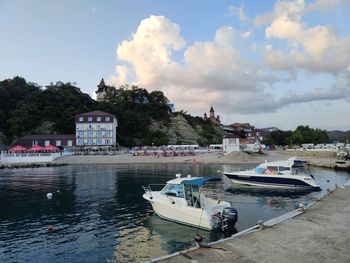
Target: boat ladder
[(224, 223)]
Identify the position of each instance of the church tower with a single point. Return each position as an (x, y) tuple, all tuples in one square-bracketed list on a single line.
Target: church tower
[(211, 113), (101, 91)]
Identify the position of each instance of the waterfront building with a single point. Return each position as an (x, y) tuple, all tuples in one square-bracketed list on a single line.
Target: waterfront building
[(63, 141), (96, 129), (230, 143)]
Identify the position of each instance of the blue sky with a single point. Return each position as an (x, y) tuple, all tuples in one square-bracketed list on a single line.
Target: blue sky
[(270, 63)]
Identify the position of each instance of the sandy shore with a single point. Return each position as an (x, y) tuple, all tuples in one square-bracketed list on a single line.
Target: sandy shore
[(213, 158)]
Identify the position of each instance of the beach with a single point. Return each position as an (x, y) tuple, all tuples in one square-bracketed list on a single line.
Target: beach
[(211, 157)]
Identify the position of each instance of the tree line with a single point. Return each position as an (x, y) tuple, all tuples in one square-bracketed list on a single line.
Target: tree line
[(302, 134), (27, 108)]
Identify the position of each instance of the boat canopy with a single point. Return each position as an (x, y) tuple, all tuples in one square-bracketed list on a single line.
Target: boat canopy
[(199, 181)]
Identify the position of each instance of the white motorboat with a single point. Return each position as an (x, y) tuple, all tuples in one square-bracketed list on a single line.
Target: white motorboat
[(182, 201), (280, 174)]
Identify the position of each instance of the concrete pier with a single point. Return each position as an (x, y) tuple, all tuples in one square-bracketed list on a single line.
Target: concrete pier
[(321, 234)]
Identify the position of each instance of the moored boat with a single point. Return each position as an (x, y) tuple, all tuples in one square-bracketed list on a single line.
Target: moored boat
[(279, 174), (182, 201)]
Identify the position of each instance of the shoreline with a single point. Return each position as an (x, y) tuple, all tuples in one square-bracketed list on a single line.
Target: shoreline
[(314, 159)]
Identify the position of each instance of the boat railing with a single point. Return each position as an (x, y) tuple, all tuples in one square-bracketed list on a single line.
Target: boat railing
[(153, 187)]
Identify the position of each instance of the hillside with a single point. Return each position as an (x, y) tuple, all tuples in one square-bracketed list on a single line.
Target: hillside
[(143, 118), (339, 136)]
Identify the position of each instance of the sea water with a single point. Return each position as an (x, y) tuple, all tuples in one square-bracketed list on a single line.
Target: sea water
[(97, 213)]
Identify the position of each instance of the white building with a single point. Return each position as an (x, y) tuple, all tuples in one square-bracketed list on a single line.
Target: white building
[(230, 143), (96, 128)]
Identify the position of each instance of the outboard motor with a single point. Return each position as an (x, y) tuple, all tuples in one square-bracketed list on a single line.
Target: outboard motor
[(229, 217)]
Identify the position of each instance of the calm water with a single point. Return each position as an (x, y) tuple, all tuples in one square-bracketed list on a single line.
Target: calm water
[(98, 214)]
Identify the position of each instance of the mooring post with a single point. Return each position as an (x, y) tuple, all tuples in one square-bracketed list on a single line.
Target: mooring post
[(261, 224), (302, 207)]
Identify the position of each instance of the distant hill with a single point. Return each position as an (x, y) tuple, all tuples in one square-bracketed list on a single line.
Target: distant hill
[(339, 136), (143, 118)]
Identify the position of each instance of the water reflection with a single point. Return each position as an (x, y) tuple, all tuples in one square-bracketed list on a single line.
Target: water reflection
[(98, 213)]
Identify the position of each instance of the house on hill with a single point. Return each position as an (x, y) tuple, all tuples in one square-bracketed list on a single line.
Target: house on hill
[(212, 117), (101, 91)]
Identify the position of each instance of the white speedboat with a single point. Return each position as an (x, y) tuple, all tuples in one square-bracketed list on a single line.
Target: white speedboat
[(182, 201), (280, 174)]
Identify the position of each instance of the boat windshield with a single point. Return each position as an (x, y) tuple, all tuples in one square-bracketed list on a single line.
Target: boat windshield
[(174, 190), (192, 195)]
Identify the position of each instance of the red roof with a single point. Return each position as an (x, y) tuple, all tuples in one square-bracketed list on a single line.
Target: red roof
[(95, 113)]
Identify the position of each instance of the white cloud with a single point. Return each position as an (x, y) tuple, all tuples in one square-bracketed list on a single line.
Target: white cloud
[(213, 72), (246, 34), (150, 49), (316, 48), (238, 12)]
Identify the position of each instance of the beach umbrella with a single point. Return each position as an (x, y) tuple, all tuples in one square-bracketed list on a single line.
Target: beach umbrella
[(18, 148), (36, 148), (51, 148)]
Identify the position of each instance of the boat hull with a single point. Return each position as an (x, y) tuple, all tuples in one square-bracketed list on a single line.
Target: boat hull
[(195, 217), (274, 181)]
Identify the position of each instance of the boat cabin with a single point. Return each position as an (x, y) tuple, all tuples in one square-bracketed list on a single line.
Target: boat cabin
[(187, 188)]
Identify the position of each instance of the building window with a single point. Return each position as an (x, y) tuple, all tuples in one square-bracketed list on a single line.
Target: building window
[(69, 143), (107, 142), (89, 118), (98, 118), (108, 133), (89, 141), (107, 118), (81, 119), (35, 143), (58, 143), (99, 134), (47, 143), (80, 142), (232, 141), (99, 141), (90, 134)]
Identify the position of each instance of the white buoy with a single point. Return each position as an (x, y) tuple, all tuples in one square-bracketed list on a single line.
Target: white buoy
[(49, 196)]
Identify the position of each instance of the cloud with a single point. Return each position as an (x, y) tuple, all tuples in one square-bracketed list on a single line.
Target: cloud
[(214, 72), (238, 12), (316, 48), (324, 5), (150, 49)]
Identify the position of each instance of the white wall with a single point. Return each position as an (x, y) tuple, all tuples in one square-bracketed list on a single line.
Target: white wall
[(230, 145), (28, 157)]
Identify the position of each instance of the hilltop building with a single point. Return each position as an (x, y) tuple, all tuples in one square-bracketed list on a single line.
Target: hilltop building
[(96, 129), (101, 91), (212, 117)]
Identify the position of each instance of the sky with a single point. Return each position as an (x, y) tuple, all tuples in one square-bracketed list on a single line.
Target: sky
[(269, 63)]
